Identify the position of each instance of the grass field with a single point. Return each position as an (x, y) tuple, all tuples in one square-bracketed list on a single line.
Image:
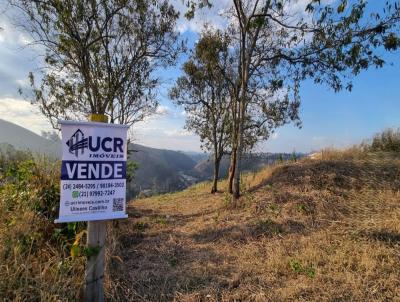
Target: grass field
[(316, 230), (323, 229)]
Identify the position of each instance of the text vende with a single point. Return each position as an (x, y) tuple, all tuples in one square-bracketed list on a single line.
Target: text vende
[(89, 170)]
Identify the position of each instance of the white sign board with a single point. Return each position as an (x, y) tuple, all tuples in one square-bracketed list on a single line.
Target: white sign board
[(93, 171)]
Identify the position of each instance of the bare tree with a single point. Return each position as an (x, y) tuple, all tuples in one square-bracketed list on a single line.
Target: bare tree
[(100, 56)]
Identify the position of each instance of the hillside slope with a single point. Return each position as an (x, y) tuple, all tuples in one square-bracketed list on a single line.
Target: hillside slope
[(24, 139), (250, 162), (160, 170), (317, 230)]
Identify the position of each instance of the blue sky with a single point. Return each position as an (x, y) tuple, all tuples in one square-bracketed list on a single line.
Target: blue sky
[(329, 119)]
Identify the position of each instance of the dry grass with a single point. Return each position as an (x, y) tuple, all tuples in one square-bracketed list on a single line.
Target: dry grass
[(315, 230), (35, 262), (322, 230)]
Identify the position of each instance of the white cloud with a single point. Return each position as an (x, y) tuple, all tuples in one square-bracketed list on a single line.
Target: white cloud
[(216, 16), (22, 82), (178, 133), (24, 114), (17, 58), (212, 16), (165, 132), (11, 36), (163, 110)]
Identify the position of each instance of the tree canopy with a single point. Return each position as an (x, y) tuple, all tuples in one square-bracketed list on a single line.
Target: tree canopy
[(203, 92), (100, 56), (276, 44)]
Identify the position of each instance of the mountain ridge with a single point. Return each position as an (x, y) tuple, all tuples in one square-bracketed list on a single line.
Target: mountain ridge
[(159, 170), (24, 139)]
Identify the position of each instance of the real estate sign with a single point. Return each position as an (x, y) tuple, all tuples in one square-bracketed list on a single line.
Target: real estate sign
[(93, 171)]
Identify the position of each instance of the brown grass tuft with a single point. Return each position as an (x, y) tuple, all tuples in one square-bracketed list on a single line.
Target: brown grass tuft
[(316, 230), (35, 264)]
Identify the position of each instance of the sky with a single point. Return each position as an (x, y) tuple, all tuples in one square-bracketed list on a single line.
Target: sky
[(328, 119)]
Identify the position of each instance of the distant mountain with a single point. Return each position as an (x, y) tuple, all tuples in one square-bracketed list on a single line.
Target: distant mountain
[(159, 170), (251, 162), (205, 167), (197, 156), (24, 139)]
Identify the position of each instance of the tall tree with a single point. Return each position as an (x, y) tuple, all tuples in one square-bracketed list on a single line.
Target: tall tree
[(100, 55), (278, 45), (203, 93), (269, 104)]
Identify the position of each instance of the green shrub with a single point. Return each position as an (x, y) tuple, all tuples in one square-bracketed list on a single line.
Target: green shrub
[(297, 267)]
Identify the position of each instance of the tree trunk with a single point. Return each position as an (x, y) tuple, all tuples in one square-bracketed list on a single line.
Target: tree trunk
[(238, 165), (232, 170), (217, 160)]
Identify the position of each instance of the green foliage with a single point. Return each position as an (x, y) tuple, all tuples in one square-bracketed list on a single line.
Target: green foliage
[(392, 42), (294, 156), (269, 55), (301, 208), (131, 167), (173, 261), (193, 5), (204, 94), (342, 6), (161, 220), (297, 267), (90, 251)]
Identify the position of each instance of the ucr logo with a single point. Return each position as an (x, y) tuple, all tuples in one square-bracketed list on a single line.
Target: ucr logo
[(77, 142)]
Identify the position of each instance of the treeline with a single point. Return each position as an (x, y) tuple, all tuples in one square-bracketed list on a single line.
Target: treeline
[(239, 83)]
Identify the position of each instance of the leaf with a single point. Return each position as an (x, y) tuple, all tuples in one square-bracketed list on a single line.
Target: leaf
[(79, 236), (91, 251), (119, 259), (342, 7), (75, 251), (392, 42)]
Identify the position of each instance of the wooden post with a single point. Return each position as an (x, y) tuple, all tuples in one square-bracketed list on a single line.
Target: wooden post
[(96, 238)]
